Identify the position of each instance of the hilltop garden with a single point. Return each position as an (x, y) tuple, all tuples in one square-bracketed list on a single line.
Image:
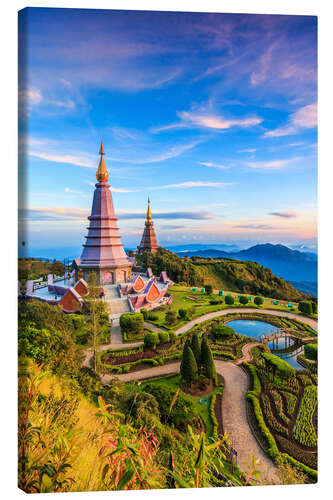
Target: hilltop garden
[(167, 430)]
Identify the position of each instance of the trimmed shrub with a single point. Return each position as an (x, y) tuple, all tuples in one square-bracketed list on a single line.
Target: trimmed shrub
[(280, 365), (243, 300), (170, 317), (188, 366), (172, 336), (258, 301), (151, 339), (311, 351), (152, 317), (208, 289), (207, 361), (221, 331), (229, 300), (196, 349), (305, 307), (182, 313), (163, 337), (314, 307), (131, 323)]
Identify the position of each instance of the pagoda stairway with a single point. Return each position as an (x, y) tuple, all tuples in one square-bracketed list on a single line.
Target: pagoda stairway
[(115, 305)]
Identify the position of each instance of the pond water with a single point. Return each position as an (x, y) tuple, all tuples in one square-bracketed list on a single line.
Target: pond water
[(255, 328)]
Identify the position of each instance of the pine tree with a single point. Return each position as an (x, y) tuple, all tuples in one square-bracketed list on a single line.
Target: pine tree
[(207, 361), (188, 367), (195, 346)]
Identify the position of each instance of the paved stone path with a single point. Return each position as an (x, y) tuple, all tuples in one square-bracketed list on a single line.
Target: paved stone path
[(235, 422)]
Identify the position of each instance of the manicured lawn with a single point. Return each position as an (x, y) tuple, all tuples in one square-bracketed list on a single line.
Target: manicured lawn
[(202, 306)]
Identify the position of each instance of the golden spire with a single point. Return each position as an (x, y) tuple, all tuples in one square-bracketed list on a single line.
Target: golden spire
[(148, 211), (102, 175)]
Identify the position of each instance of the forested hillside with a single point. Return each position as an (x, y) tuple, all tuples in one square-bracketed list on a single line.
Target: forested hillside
[(229, 274)]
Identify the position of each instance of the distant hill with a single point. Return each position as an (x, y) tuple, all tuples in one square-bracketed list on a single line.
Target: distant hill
[(227, 274), (292, 265), (309, 287)]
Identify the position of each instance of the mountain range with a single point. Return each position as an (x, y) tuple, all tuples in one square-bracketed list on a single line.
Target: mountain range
[(292, 265)]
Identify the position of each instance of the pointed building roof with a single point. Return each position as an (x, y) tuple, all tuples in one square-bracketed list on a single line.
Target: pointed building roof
[(148, 241), (102, 175), (103, 248)]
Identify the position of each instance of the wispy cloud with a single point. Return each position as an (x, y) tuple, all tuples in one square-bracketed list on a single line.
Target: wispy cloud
[(166, 155), (64, 158), (284, 215), (271, 165), (52, 214), (303, 118), (192, 184), (72, 191), (67, 214), (213, 165), (208, 120), (167, 215), (257, 227), (250, 150)]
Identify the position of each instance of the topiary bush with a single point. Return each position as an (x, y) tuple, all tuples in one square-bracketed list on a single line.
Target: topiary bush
[(151, 339), (306, 307), (258, 301), (170, 317), (229, 300), (172, 336), (188, 366), (132, 323), (221, 331), (163, 337), (243, 300), (208, 289), (182, 313)]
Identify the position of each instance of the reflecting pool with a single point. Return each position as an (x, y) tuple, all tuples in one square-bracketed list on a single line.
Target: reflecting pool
[(285, 350)]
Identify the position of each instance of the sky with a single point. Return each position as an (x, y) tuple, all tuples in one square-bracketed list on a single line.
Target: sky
[(213, 116)]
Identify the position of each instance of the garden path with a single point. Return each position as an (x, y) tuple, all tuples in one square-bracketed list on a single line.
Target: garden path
[(284, 314), (246, 350), (234, 415)]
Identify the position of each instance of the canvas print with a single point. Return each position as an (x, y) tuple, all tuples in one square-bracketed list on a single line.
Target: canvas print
[(167, 267)]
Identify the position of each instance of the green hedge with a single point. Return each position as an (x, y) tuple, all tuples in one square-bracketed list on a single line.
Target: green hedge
[(304, 468), (284, 369), (311, 351), (223, 354), (271, 447), (212, 415)]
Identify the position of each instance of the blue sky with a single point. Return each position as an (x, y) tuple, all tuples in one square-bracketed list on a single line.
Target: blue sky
[(214, 116)]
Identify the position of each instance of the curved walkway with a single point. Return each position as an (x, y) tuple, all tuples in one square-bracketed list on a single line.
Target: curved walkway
[(234, 415), (284, 314), (246, 350)]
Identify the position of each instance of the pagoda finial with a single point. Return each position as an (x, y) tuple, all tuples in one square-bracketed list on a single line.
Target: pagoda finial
[(102, 175), (148, 211)]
